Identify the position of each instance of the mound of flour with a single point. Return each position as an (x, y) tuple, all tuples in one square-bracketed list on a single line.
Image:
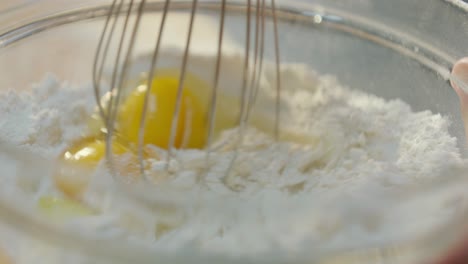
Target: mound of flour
[(280, 195)]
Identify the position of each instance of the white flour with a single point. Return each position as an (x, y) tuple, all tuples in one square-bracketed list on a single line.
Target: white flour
[(281, 196)]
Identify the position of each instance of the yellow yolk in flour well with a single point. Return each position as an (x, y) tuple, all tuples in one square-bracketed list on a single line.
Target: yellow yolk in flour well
[(79, 161), (191, 121)]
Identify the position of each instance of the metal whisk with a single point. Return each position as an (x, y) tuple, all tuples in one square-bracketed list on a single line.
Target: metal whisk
[(120, 11)]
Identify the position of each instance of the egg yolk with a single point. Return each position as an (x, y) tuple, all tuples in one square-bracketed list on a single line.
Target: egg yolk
[(76, 164), (91, 151), (191, 126), (62, 209), (193, 118)]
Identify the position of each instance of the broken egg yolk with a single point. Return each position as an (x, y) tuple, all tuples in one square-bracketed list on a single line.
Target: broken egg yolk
[(62, 209), (77, 163), (191, 121), (90, 152)]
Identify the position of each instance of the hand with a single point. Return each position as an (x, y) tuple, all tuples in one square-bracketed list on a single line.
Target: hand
[(459, 81)]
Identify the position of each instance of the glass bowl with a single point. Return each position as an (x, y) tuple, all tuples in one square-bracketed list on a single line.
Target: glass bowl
[(398, 49)]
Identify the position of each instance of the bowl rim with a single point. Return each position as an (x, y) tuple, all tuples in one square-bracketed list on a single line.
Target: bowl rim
[(463, 5)]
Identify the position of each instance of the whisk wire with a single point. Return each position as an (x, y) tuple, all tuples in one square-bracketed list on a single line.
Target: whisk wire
[(214, 95), (243, 100), (98, 67), (255, 56), (141, 132), (278, 70), (262, 52), (113, 106), (251, 73), (109, 119), (175, 123)]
